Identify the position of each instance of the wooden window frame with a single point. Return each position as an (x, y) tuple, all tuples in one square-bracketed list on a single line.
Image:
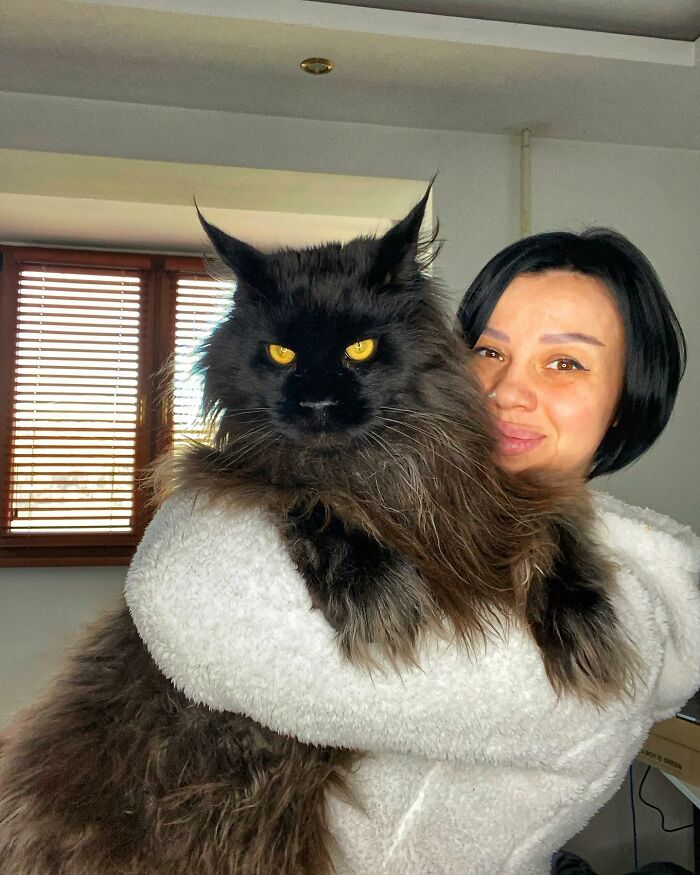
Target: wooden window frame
[(153, 429)]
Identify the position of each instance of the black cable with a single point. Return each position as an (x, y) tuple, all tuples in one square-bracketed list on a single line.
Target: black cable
[(634, 821), (656, 807)]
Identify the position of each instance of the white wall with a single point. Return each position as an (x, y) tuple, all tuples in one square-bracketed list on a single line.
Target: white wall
[(653, 195)]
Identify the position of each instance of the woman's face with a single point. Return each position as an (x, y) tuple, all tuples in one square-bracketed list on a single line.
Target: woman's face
[(553, 353)]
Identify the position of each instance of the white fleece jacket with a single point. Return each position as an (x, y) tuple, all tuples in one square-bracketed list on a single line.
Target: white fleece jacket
[(475, 767)]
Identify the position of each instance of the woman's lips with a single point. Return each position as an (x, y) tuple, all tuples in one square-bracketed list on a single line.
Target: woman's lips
[(522, 432), (517, 439)]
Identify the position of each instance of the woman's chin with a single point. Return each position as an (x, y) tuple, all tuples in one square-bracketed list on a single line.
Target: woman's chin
[(516, 463), (513, 466), (539, 462)]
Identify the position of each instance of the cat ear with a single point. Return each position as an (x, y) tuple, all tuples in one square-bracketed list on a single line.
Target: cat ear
[(248, 263), (398, 248)]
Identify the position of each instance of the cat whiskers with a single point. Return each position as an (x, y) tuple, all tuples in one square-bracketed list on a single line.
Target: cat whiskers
[(213, 414), (426, 507), (464, 544), (386, 449), (430, 448), (244, 445), (442, 436), (244, 410)]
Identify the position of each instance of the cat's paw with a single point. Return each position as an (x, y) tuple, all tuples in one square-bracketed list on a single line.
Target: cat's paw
[(376, 601), (572, 619), (379, 615)]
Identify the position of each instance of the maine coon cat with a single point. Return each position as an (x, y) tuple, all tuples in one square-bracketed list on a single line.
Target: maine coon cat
[(341, 403)]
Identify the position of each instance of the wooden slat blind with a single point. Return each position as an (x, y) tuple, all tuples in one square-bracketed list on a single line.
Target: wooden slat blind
[(96, 358), (75, 400), (199, 304)]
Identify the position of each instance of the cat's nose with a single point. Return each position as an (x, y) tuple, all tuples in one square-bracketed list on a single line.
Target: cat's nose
[(318, 405)]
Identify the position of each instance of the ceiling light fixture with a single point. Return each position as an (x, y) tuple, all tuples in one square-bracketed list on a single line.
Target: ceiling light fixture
[(317, 66)]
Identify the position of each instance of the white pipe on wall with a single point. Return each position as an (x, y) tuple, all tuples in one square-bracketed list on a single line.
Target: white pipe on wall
[(525, 184)]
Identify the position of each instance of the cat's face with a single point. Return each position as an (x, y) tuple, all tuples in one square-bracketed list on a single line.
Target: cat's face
[(323, 345)]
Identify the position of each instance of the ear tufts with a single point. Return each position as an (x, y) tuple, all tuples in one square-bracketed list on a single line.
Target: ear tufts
[(399, 248), (247, 263)]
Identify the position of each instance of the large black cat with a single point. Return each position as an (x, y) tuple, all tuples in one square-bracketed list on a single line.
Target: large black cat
[(341, 403)]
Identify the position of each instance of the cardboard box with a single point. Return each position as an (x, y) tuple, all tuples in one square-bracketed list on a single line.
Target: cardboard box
[(674, 747)]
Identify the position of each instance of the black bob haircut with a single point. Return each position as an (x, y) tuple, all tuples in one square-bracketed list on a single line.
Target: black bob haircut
[(655, 345)]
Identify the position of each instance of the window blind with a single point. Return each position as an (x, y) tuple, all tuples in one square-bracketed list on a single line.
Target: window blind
[(96, 380), (200, 304), (76, 399)]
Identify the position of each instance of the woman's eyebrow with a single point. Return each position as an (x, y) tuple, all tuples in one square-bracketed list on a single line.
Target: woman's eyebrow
[(499, 335), (564, 337), (570, 336)]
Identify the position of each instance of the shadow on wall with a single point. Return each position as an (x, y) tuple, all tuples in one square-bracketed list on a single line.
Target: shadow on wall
[(43, 611)]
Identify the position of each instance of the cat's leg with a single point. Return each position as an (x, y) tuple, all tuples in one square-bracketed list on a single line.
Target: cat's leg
[(374, 599), (116, 773), (572, 618)]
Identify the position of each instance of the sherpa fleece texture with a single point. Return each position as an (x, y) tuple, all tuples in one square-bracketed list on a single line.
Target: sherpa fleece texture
[(475, 767)]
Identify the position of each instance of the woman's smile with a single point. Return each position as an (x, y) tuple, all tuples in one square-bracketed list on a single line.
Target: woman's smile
[(516, 439)]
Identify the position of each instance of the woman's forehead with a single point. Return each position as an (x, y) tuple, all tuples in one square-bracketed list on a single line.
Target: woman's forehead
[(555, 302)]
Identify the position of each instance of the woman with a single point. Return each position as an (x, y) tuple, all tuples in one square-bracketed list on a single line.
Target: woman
[(611, 394), (475, 765), (566, 402)]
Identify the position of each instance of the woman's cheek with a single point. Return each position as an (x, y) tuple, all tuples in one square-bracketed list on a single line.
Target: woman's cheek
[(476, 365), (579, 421)]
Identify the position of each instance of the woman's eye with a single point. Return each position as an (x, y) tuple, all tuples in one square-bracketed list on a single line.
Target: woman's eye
[(488, 352), (566, 364)]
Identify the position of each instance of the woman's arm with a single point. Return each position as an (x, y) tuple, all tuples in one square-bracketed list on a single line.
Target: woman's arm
[(227, 617), (664, 556)]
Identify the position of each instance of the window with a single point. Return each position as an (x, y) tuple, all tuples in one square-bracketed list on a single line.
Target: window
[(199, 304), (96, 381)]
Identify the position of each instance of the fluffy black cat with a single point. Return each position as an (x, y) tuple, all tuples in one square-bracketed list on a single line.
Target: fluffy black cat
[(342, 403)]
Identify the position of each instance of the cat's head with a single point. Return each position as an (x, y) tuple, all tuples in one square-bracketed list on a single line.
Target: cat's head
[(322, 343)]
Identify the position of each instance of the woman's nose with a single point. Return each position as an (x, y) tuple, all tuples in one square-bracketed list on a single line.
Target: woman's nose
[(513, 389)]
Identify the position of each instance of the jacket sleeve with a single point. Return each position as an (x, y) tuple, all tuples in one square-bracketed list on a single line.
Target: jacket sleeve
[(665, 557), (227, 617)]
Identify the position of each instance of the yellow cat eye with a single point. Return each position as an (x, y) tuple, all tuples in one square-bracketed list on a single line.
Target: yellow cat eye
[(361, 350), (280, 354)]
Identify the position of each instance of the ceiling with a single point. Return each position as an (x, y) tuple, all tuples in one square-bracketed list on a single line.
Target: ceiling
[(40, 220), (556, 73), (678, 20)]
